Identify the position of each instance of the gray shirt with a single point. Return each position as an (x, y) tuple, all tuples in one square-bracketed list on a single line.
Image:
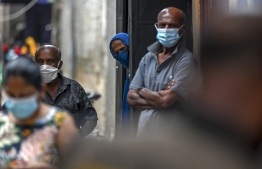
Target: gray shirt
[(180, 66)]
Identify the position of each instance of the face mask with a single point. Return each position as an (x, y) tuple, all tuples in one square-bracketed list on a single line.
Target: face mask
[(22, 108), (122, 57), (49, 73), (168, 37)]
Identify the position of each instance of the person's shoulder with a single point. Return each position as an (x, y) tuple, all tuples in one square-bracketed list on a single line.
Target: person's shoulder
[(74, 87), (187, 53), (58, 109), (5, 121), (188, 56), (3, 116), (70, 81), (66, 79), (153, 49), (147, 57), (59, 115)]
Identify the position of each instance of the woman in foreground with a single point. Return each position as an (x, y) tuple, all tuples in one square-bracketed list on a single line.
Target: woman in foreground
[(32, 133)]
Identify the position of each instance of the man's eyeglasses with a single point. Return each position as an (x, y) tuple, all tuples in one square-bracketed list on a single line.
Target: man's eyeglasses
[(166, 26)]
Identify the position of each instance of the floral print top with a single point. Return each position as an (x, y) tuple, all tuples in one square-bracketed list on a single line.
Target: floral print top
[(20, 144)]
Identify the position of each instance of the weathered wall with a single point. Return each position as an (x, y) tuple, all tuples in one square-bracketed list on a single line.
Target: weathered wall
[(196, 13), (1, 24), (94, 25), (110, 65)]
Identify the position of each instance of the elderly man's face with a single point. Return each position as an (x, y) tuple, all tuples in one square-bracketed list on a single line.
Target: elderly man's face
[(118, 46), (47, 56), (170, 19)]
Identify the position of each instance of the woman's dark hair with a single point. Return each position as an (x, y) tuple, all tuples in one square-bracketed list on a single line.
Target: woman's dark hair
[(26, 68)]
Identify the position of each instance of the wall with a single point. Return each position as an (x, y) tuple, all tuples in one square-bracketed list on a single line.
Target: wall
[(93, 25), (196, 14)]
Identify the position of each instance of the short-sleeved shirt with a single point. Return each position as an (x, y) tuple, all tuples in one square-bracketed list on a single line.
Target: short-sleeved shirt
[(180, 66), (72, 97)]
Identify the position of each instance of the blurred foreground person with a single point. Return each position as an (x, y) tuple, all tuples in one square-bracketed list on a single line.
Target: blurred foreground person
[(222, 128), (119, 48), (120, 155), (231, 88), (225, 117), (32, 133), (63, 92)]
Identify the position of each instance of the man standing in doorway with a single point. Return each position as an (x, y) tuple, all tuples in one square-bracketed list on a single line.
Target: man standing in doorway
[(63, 92), (162, 81)]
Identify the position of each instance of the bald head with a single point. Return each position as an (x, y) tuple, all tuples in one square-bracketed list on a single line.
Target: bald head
[(53, 48), (173, 12)]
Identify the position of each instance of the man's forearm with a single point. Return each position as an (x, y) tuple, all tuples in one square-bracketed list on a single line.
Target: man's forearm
[(139, 103), (161, 99), (135, 100), (152, 98)]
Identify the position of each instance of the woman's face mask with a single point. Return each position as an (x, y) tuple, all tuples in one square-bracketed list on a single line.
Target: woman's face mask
[(49, 73), (22, 108)]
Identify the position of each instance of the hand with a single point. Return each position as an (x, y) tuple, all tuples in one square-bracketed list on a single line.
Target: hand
[(171, 83), (144, 91)]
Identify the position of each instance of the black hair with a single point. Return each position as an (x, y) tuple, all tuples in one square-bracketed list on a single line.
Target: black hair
[(48, 46), (26, 68)]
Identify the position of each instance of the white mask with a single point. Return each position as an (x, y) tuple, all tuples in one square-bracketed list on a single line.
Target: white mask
[(49, 73)]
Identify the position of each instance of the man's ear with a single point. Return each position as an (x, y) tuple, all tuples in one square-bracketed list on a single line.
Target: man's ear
[(60, 64), (182, 30)]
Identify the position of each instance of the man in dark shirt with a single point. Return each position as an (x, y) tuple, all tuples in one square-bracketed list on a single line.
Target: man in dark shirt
[(63, 92)]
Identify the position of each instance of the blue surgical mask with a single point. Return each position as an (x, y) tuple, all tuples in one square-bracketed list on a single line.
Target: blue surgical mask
[(122, 57), (22, 108), (168, 37)]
